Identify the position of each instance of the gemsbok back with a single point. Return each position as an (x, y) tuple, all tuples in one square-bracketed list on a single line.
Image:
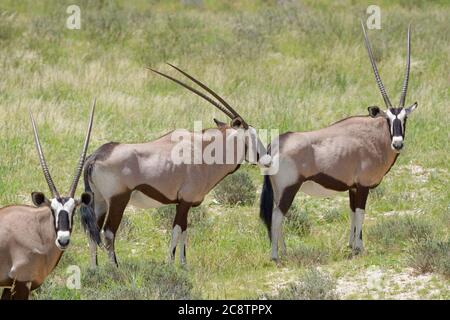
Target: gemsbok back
[(33, 239), (147, 175), (353, 154)]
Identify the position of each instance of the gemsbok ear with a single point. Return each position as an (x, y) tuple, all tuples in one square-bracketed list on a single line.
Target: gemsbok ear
[(411, 108), (39, 199), (375, 111), (237, 123), (86, 198), (219, 123)]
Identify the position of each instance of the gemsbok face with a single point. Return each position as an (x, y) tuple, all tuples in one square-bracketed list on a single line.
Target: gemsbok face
[(396, 118), (63, 210)]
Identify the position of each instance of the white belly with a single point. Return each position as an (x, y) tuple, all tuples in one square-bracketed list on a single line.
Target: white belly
[(314, 189), (140, 200)]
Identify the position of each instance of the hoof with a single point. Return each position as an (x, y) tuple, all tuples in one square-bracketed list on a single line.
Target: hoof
[(277, 261)]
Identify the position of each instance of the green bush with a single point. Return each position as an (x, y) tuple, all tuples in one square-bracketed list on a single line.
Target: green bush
[(430, 255), (314, 285), (298, 221), (393, 231), (236, 189)]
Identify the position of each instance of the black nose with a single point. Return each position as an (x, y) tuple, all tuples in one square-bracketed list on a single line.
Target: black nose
[(398, 145), (63, 243)]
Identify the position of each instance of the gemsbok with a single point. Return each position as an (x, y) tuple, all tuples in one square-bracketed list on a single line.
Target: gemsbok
[(353, 154), (33, 239), (147, 175)]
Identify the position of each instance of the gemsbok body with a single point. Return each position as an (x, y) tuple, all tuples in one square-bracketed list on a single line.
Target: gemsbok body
[(33, 239), (353, 154), (147, 175)]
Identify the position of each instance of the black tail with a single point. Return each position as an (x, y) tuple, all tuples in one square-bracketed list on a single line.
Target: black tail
[(266, 204), (88, 218)]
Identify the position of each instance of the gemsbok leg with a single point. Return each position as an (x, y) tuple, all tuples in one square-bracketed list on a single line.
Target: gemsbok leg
[(358, 199), (116, 207), (283, 202), (179, 232)]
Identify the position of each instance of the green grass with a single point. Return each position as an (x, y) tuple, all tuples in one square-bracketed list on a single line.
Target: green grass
[(289, 65)]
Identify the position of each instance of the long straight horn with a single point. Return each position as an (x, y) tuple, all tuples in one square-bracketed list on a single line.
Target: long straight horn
[(408, 64), (201, 84), (375, 69), (218, 106), (79, 168), (44, 166)]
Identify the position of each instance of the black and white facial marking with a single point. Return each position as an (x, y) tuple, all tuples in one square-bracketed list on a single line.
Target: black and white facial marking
[(396, 118), (63, 210)]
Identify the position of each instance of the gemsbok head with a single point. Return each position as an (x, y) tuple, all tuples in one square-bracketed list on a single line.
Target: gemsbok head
[(148, 175), (32, 239), (353, 154), (396, 116)]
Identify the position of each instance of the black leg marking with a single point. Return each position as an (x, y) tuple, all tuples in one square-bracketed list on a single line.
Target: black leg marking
[(6, 294), (287, 197), (352, 198), (361, 197)]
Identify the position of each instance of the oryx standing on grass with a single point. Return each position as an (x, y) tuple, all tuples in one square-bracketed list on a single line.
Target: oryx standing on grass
[(353, 154), (32, 240), (146, 175)]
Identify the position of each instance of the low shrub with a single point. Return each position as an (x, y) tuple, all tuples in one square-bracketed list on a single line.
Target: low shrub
[(430, 255), (314, 285), (298, 221), (395, 230), (236, 189)]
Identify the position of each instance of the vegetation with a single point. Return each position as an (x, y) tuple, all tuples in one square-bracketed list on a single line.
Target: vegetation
[(286, 65), (431, 255), (315, 285), (236, 189)]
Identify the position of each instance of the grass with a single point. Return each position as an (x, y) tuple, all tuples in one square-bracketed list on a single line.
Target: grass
[(286, 65), (391, 232)]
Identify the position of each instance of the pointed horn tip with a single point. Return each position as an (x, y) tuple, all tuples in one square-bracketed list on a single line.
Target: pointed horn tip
[(150, 68)]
